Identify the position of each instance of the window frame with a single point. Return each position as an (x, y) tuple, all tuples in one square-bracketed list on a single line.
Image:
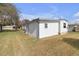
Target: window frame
[(46, 25), (64, 25)]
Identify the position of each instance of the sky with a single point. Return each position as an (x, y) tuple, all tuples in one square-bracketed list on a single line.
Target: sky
[(68, 11)]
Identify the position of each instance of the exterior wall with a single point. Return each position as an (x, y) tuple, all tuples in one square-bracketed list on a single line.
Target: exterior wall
[(8, 27), (51, 30), (62, 29), (33, 29), (26, 28), (38, 30)]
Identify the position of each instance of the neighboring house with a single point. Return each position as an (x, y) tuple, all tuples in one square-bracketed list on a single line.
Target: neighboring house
[(8, 27), (41, 28), (73, 27)]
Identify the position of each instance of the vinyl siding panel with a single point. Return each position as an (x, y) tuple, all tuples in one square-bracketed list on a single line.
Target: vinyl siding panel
[(52, 29), (33, 29)]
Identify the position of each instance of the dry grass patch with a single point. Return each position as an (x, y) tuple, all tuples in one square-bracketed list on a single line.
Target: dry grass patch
[(17, 43), (57, 45)]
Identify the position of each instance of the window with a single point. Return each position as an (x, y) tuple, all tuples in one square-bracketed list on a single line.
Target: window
[(46, 25), (64, 25)]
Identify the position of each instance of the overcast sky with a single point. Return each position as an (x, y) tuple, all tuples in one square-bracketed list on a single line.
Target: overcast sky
[(49, 10)]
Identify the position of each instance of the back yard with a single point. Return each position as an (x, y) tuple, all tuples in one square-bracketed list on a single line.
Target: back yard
[(18, 43)]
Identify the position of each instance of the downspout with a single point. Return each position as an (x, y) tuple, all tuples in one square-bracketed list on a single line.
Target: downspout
[(38, 30), (28, 28), (59, 28)]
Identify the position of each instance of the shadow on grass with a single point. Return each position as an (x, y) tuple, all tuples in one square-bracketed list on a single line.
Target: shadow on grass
[(73, 42)]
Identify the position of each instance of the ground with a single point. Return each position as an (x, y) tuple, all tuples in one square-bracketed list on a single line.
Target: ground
[(17, 43)]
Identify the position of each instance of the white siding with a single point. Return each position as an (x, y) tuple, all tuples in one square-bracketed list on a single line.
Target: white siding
[(27, 29), (62, 29), (38, 30), (51, 30), (8, 28), (33, 29)]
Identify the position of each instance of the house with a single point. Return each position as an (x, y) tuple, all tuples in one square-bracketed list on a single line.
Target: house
[(73, 27), (41, 28), (8, 27)]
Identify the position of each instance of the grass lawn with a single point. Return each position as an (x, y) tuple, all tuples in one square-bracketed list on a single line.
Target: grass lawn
[(17, 43)]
